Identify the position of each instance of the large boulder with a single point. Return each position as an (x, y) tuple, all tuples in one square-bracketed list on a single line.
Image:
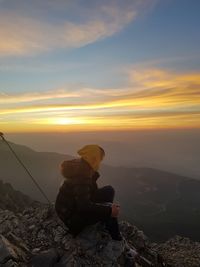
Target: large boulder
[(46, 258), (10, 254), (92, 247)]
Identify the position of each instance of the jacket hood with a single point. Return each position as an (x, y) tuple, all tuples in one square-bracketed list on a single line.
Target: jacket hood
[(77, 169)]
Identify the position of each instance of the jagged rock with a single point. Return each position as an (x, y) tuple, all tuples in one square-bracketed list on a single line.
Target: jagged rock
[(35, 236), (6, 250), (17, 241), (10, 263), (135, 236), (93, 245), (45, 259), (9, 253), (180, 252)]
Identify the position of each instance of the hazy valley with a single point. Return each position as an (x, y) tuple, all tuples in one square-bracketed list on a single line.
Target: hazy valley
[(162, 203)]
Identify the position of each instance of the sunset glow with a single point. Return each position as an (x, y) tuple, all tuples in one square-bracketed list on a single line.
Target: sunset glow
[(57, 75)]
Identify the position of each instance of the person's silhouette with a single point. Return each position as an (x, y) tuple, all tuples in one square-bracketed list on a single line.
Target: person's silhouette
[(80, 202)]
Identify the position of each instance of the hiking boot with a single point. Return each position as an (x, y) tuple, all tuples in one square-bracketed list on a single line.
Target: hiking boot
[(131, 255)]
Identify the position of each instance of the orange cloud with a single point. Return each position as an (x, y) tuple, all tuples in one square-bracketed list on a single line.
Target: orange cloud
[(161, 100), (164, 88)]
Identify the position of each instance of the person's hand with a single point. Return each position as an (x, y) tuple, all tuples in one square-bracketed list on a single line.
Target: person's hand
[(115, 210)]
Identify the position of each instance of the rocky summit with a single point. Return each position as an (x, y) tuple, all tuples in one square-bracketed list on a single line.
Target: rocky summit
[(34, 236), (37, 238)]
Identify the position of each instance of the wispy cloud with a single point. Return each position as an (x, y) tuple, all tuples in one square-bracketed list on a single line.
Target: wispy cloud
[(6, 99), (22, 34)]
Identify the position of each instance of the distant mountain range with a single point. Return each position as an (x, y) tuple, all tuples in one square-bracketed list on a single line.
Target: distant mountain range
[(176, 151), (161, 203)]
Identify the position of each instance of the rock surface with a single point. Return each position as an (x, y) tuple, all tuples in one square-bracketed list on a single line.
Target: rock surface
[(180, 252), (35, 237)]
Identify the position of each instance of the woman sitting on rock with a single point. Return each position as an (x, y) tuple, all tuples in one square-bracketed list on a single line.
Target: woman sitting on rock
[(80, 202)]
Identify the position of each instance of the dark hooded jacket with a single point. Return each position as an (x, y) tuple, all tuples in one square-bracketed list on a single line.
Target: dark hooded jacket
[(74, 200)]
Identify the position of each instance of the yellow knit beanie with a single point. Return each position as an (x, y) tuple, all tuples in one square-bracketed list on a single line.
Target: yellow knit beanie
[(93, 154)]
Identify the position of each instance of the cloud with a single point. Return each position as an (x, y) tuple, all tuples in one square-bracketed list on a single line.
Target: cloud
[(6, 99), (148, 88), (166, 88), (153, 98), (24, 34)]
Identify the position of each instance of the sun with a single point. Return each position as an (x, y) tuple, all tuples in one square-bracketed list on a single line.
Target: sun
[(65, 121)]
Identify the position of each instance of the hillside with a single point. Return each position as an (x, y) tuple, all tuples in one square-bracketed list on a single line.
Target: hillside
[(43, 166), (173, 151), (162, 203), (12, 199)]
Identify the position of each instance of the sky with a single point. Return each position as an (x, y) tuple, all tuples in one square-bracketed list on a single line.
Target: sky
[(92, 65)]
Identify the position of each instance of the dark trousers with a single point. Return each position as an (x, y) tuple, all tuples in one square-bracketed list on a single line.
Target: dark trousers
[(106, 194), (102, 195)]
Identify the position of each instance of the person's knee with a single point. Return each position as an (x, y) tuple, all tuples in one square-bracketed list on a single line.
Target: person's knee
[(110, 190)]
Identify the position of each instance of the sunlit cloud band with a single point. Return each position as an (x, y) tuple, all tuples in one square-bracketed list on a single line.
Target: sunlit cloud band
[(154, 98)]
